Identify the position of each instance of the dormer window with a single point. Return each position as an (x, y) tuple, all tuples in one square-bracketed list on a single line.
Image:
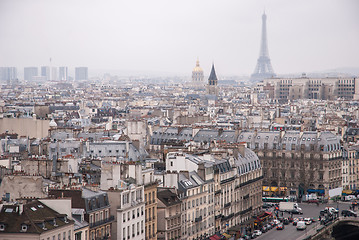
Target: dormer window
[(54, 222), (23, 228), (65, 219), (2, 227)]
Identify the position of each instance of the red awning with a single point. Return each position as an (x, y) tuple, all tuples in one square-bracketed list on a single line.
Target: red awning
[(215, 237)]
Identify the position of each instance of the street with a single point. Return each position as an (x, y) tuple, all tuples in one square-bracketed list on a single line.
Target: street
[(290, 231)]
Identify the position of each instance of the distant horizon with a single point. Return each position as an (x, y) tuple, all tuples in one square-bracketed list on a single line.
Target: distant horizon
[(99, 72), (167, 37)]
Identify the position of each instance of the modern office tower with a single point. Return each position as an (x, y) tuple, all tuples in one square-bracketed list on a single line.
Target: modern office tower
[(53, 73), (8, 73), (30, 72), (45, 72), (63, 73), (264, 67), (81, 73)]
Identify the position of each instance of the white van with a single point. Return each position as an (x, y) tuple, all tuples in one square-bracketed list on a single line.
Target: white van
[(301, 225)]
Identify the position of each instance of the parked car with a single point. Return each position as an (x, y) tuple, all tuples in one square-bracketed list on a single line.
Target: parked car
[(348, 213), (331, 209), (269, 226), (266, 205), (280, 226), (301, 225), (264, 229), (276, 221), (296, 211), (257, 232)]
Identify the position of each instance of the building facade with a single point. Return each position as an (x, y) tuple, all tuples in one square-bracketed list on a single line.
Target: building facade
[(295, 163), (312, 88), (81, 73), (30, 73), (151, 210)]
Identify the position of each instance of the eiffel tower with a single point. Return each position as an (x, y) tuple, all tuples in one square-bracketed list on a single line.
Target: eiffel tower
[(264, 67)]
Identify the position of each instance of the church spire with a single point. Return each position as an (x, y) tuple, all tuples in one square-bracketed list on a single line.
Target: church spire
[(212, 76)]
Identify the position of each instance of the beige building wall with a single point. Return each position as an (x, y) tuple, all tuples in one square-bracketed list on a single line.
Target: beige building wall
[(22, 186), (29, 127), (151, 211)]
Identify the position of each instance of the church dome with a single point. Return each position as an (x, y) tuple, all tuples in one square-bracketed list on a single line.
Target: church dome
[(197, 68)]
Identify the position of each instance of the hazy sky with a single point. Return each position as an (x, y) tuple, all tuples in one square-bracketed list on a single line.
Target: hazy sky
[(168, 36)]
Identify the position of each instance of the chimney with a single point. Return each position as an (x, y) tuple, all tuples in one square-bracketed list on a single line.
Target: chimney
[(220, 131), (127, 148), (21, 208), (241, 149), (201, 171), (236, 132), (186, 173)]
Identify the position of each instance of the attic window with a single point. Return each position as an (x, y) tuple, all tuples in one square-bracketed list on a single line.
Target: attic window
[(2, 227), (9, 210), (40, 206), (33, 209), (23, 228)]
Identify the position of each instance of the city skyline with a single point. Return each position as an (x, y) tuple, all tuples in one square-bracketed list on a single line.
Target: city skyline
[(167, 38)]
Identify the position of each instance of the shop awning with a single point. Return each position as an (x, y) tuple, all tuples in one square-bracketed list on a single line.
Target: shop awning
[(321, 191), (226, 235), (270, 189), (215, 237), (347, 192)]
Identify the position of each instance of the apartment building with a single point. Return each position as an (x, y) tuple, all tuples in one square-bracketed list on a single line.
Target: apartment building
[(34, 220), (151, 220), (169, 211), (96, 206), (295, 163), (312, 88), (197, 205)]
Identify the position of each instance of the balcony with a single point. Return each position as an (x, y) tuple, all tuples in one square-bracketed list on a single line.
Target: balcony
[(227, 205), (198, 219), (228, 180), (105, 221), (218, 192), (225, 218), (218, 216), (251, 181), (245, 211)]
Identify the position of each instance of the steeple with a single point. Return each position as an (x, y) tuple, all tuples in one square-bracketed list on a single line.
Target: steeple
[(212, 80)]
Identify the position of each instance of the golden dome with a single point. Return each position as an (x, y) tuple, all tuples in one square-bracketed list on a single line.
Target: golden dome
[(197, 68)]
